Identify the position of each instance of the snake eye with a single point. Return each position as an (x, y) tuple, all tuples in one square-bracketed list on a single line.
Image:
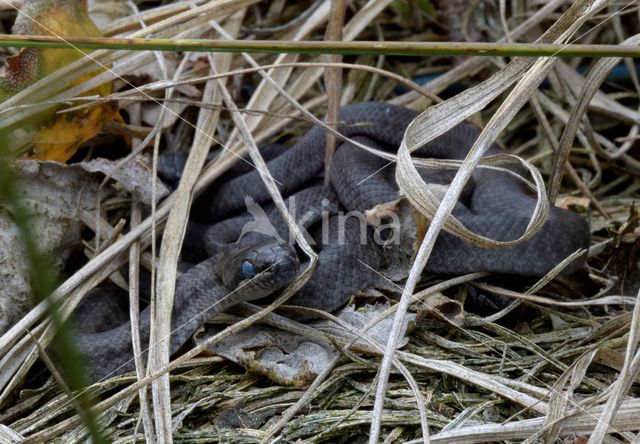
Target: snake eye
[(247, 269)]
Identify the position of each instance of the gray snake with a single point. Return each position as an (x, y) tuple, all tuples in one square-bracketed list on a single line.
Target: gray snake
[(228, 270)]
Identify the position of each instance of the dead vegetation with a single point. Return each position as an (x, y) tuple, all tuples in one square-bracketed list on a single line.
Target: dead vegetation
[(547, 368)]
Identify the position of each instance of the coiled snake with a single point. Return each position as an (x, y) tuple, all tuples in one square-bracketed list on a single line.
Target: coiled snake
[(494, 204)]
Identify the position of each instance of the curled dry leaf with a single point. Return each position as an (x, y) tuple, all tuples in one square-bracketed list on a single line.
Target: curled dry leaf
[(443, 308), (55, 194), (134, 176), (53, 136), (296, 360), (569, 201), (404, 229)]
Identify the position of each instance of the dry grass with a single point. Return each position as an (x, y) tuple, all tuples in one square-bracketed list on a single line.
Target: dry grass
[(550, 375)]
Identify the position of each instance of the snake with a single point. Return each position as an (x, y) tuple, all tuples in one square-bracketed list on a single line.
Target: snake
[(225, 265)]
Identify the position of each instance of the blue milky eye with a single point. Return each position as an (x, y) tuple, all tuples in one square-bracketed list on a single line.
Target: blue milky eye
[(247, 270)]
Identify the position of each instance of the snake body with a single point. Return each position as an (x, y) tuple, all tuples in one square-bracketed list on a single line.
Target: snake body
[(494, 204), (209, 287)]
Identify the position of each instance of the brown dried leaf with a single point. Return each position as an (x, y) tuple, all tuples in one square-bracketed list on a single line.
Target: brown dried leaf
[(53, 194), (54, 137)]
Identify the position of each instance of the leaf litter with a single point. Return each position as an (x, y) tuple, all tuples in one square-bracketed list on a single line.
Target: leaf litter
[(532, 371)]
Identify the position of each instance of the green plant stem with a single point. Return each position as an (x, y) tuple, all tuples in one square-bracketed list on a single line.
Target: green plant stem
[(44, 281), (324, 47)]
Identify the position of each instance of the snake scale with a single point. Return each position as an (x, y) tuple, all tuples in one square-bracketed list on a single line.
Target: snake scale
[(229, 269)]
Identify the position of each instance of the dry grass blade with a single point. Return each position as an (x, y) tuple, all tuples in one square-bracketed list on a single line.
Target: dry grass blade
[(560, 397), (417, 135), (173, 237), (595, 78), (559, 363), (134, 309), (630, 370), (269, 182), (294, 409), (69, 74), (62, 79), (580, 424), (473, 65), (333, 78), (265, 93), (139, 93), (57, 85)]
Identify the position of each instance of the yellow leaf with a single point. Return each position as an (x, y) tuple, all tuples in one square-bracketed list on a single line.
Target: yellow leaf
[(54, 136), (61, 139)]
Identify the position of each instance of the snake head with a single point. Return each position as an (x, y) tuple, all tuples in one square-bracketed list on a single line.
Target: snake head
[(260, 269)]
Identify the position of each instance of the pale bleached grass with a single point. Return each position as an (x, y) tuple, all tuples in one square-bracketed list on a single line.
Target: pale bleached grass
[(474, 383)]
